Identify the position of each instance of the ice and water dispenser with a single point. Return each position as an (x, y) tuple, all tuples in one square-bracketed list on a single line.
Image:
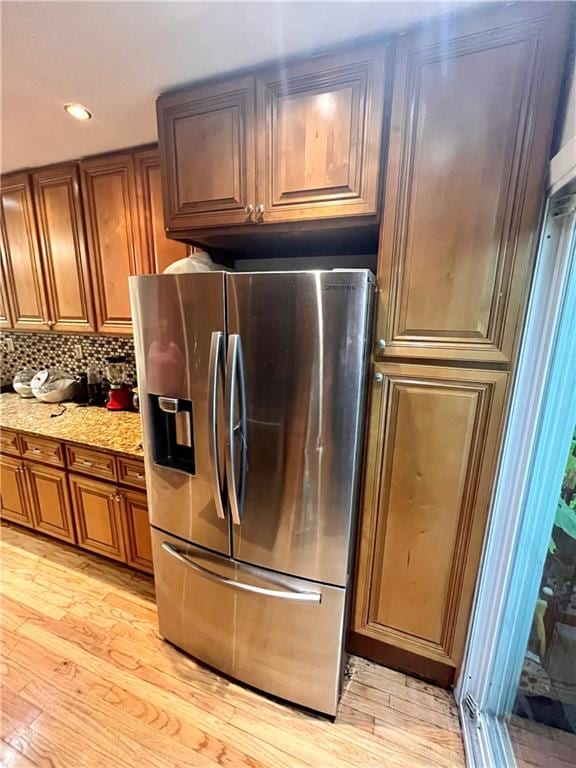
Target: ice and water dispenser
[(172, 433)]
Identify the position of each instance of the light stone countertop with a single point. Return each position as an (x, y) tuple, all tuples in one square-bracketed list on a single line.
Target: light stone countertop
[(118, 431)]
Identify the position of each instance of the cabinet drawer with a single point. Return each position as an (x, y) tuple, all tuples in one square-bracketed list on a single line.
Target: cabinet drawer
[(91, 462), (42, 450), (131, 472), (9, 442)]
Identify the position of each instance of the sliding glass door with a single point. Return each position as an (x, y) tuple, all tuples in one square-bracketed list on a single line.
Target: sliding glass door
[(517, 690)]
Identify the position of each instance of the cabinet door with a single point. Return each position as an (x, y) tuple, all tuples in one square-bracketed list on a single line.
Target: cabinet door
[(473, 113), (98, 517), (433, 440), (158, 250), (50, 501), (62, 241), (21, 257), (109, 194), (14, 504), (319, 132), (206, 137), (137, 530)]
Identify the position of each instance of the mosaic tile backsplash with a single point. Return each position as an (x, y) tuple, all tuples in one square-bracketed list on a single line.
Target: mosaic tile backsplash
[(48, 350)]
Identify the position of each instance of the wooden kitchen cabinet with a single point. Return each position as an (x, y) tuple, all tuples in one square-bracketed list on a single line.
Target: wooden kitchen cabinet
[(206, 137), (432, 448), (290, 143), (472, 119), (137, 530), (97, 508), (63, 248), (14, 504), (21, 264), (109, 195), (319, 131), (159, 251), (50, 501), (5, 309)]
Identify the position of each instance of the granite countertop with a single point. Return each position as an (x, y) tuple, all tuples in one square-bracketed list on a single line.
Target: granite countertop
[(118, 431)]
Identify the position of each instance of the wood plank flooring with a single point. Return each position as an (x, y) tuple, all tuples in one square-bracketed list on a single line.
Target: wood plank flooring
[(86, 682)]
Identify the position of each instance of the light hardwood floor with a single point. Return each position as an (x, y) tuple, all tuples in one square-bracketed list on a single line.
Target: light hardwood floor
[(87, 682)]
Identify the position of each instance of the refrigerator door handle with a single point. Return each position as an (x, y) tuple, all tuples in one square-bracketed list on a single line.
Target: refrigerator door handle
[(215, 367), (241, 586), (235, 381)]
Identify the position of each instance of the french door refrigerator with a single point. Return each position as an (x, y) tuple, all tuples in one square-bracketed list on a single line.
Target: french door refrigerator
[(252, 396)]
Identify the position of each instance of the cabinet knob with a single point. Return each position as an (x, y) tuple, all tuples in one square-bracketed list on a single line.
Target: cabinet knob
[(380, 344), (249, 209), (260, 209), (378, 377)]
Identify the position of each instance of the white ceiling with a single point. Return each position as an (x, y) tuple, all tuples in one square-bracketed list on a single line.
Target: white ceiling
[(116, 57)]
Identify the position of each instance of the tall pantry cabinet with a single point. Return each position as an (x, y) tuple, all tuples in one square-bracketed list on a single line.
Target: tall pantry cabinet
[(471, 125)]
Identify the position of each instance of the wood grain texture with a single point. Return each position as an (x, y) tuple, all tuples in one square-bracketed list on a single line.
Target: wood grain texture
[(137, 530), (63, 247), (14, 503), (157, 248), (433, 442), (206, 137), (49, 501), (319, 134), (109, 196), (98, 516), (21, 263), (472, 119), (90, 683), (40, 449)]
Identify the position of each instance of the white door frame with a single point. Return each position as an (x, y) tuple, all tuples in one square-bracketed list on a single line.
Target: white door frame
[(524, 503)]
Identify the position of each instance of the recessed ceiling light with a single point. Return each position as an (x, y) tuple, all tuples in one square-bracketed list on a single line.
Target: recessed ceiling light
[(78, 111)]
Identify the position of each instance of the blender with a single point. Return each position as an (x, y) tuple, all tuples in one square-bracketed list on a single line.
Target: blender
[(119, 395)]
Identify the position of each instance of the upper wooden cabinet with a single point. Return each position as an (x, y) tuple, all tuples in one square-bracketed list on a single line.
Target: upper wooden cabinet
[(157, 248), (5, 310), (22, 268), (319, 131), (109, 194), (206, 138), (472, 117), (433, 444), (62, 243), (292, 143)]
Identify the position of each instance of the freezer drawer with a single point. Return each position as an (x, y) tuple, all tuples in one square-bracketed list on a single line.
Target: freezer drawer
[(279, 634)]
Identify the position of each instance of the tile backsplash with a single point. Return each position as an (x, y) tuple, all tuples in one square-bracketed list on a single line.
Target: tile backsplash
[(48, 350)]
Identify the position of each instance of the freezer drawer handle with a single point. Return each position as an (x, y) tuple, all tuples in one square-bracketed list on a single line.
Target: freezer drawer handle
[(288, 594), (235, 381), (216, 367)]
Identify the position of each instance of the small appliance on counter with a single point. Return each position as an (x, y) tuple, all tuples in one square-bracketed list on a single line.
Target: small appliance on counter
[(119, 393), (53, 385), (22, 382)]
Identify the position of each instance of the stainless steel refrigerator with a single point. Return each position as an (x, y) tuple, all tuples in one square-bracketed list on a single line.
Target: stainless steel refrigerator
[(252, 395)]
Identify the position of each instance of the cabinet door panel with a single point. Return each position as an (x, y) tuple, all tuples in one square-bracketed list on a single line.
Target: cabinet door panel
[(98, 517), (471, 128), (319, 134), (50, 501), (137, 530), (5, 309), (207, 154), (62, 240), (158, 250), (21, 258), (14, 504), (110, 206), (433, 445)]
